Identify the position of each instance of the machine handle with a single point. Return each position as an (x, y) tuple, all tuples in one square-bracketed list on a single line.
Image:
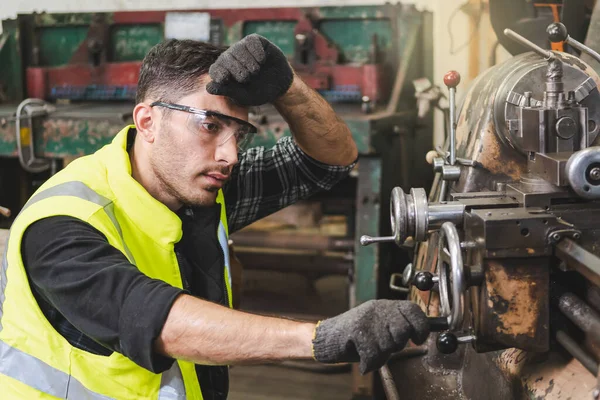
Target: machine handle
[(547, 54), (366, 240), (451, 80), (447, 342), (425, 281), (557, 33)]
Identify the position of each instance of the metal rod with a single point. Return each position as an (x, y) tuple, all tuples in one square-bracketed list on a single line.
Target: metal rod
[(580, 314), (466, 339), (532, 46), (387, 380), (291, 241), (576, 351), (452, 101), (366, 240), (453, 211), (443, 190), (580, 46)]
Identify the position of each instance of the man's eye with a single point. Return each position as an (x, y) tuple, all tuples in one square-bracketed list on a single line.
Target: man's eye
[(210, 127)]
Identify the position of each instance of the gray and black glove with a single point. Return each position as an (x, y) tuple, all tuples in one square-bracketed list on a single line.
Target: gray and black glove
[(370, 333), (252, 72)]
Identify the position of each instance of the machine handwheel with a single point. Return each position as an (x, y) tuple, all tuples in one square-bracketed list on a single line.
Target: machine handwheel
[(398, 214), (452, 284)]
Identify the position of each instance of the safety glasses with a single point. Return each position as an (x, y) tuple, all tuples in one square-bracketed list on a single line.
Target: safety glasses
[(213, 125)]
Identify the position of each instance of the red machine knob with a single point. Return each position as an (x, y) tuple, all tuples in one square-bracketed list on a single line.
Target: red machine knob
[(452, 79)]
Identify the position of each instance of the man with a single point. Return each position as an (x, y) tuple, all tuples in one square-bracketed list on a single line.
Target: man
[(116, 284)]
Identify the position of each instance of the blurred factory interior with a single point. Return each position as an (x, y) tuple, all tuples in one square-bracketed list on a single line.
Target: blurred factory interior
[(382, 67)]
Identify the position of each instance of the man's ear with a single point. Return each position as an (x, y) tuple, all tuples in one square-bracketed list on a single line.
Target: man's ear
[(145, 123)]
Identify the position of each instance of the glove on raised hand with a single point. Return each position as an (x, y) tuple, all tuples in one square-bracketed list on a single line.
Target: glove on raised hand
[(252, 72), (370, 333)]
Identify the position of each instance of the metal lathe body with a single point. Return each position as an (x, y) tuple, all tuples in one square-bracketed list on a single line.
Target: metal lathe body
[(507, 244)]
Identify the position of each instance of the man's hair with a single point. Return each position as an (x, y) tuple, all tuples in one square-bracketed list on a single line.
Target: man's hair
[(171, 69)]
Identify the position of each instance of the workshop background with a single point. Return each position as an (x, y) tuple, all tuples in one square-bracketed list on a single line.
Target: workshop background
[(304, 262), (464, 40)]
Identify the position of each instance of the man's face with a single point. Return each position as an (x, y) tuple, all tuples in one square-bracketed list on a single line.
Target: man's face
[(189, 162)]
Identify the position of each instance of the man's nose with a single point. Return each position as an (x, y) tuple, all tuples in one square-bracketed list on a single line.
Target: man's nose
[(227, 151)]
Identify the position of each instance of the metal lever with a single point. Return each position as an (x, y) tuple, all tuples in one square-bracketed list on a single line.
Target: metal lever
[(547, 54), (557, 33), (447, 342), (451, 80), (366, 240), (424, 280)]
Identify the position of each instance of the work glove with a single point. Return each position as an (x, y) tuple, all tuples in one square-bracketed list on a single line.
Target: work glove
[(369, 333), (252, 72)]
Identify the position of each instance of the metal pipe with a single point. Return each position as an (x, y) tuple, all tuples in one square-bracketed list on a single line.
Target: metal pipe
[(580, 314), (547, 54), (387, 380), (576, 351), (581, 47), (290, 241), (452, 211)]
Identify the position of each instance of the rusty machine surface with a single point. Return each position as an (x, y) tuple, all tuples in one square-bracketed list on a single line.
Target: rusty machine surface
[(507, 244)]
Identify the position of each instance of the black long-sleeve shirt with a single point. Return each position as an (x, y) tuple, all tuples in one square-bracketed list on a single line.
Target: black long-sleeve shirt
[(101, 303)]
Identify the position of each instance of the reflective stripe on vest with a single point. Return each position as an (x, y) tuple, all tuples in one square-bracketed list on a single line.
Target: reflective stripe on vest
[(82, 191), (35, 373), (3, 281), (225, 247)]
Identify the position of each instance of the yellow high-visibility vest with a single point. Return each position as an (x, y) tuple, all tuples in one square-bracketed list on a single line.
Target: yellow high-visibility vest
[(35, 360)]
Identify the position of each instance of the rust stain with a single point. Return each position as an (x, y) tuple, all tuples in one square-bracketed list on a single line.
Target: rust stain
[(514, 301), (493, 159)]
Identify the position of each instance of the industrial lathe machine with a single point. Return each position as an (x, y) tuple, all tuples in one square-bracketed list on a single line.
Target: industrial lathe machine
[(507, 243)]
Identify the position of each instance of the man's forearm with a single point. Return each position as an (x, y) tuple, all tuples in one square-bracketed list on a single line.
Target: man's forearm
[(317, 129), (206, 333)]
